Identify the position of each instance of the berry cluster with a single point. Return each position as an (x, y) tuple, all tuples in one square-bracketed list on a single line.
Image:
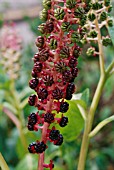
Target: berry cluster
[(55, 66), (98, 18)]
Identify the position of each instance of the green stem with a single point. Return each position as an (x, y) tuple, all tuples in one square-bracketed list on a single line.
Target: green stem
[(3, 163), (88, 124), (109, 69), (94, 104), (101, 125)]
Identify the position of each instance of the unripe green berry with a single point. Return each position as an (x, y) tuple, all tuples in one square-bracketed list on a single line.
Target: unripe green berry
[(93, 34), (90, 51), (59, 13), (65, 26), (79, 12), (70, 3), (53, 44), (75, 37), (106, 3), (110, 8), (41, 28), (64, 52), (83, 41), (83, 20), (110, 23), (106, 41), (44, 15), (47, 4), (103, 16), (91, 17), (96, 6)]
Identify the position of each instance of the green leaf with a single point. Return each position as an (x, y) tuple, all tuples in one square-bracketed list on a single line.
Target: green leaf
[(111, 32), (75, 124), (29, 162), (85, 96)]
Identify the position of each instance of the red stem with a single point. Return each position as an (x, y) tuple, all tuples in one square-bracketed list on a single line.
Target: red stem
[(44, 138)]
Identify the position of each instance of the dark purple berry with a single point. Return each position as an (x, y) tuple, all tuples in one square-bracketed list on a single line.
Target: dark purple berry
[(33, 83), (74, 72), (68, 96), (30, 127), (60, 140), (48, 80), (40, 147), (40, 41), (34, 74), (64, 106), (72, 62), (57, 93), (36, 58), (43, 55), (67, 76), (76, 51), (32, 100), (32, 119), (31, 147), (48, 117), (49, 26), (37, 67), (42, 93), (54, 134), (63, 122), (70, 88)]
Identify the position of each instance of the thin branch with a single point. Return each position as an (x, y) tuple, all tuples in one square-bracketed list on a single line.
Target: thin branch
[(14, 119), (100, 126), (3, 163)]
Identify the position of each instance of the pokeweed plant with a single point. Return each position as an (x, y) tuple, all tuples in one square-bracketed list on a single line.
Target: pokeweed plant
[(68, 24)]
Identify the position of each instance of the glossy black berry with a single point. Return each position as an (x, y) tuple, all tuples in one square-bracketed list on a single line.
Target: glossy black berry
[(63, 122), (72, 62), (32, 119), (74, 72), (31, 147), (68, 96), (70, 88), (54, 134), (48, 117), (40, 147), (67, 76), (30, 126), (57, 93), (32, 100), (33, 83), (42, 93), (64, 106), (60, 140)]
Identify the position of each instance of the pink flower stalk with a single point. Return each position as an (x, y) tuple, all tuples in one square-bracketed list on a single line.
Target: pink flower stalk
[(10, 49), (54, 71), (10, 38)]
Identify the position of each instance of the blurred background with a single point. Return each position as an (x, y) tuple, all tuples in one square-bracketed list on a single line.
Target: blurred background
[(23, 16)]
